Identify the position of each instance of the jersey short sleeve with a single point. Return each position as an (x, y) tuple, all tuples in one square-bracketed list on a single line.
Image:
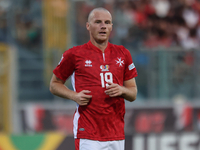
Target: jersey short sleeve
[(130, 70), (66, 65)]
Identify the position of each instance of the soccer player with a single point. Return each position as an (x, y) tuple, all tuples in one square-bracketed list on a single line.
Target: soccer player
[(103, 75)]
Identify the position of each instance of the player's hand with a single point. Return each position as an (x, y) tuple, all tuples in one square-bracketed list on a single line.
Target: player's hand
[(113, 89), (82, 98)]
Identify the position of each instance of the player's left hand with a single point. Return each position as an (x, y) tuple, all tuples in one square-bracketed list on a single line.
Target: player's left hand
[(113, 89)]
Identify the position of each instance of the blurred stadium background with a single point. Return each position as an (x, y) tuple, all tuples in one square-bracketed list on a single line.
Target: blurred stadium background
[(163, 37)]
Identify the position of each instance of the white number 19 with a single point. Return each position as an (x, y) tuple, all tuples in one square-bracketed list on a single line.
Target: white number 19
[(107, 77)]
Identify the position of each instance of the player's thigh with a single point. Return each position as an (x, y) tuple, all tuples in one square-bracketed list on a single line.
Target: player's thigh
[(85, 144)]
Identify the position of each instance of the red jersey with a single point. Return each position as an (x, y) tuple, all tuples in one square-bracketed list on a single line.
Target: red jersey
[(103, 118)]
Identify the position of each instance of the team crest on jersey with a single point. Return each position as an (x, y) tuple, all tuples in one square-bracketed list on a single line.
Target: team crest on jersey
[(119, 62), (104, 67), (88, 63)]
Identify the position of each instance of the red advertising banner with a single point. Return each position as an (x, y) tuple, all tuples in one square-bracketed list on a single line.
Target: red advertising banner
[(141, 120)]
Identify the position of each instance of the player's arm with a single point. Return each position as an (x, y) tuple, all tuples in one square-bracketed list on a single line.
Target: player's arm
[(58, 88), (128, 90)]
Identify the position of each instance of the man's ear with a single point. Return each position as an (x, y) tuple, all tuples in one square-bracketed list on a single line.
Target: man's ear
[(87, 26)]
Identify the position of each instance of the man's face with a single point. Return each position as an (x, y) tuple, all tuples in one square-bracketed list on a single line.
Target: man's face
[(100, 26)]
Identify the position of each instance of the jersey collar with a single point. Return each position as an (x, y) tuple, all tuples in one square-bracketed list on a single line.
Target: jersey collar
[(96, 48)]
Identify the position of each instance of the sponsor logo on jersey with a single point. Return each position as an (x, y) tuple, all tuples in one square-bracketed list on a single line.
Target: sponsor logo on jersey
[(81, 129), (131, 66), (88, 63), (104, 67), (120, 62), (60, 60)]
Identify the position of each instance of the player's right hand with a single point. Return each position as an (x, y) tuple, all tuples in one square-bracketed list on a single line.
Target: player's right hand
[(82, 98)]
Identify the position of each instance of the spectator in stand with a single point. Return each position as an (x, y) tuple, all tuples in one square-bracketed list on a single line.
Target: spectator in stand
[(161, 7), (190, 16), (191, 42)]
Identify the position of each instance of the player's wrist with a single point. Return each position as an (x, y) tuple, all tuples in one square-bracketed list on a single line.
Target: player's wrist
[(123, 90), (74, 96)]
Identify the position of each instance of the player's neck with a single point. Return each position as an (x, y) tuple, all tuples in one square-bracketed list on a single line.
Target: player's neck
[(102, 46)]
